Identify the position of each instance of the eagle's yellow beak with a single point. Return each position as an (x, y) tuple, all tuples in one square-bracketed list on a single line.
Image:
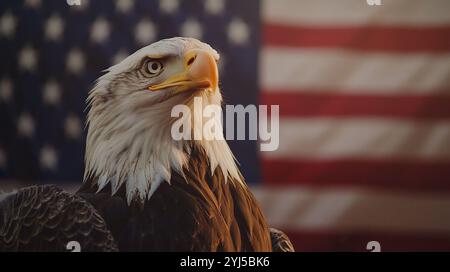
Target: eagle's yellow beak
[(200, 72)]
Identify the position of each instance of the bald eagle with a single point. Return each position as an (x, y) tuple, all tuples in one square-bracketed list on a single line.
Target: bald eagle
[(142, 189)]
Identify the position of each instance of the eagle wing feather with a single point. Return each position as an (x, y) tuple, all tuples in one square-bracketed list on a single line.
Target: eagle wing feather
[(46, 218)]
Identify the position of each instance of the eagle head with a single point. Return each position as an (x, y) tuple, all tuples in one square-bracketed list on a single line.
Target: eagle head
[(129, 140)]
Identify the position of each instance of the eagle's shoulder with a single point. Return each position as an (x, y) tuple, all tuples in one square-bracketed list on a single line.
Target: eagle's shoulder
[(46, 218)]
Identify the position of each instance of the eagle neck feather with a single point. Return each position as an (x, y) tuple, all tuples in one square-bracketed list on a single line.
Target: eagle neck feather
[(136, 149)]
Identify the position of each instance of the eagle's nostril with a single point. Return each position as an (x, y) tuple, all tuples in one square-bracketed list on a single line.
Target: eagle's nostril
[(191, 60)]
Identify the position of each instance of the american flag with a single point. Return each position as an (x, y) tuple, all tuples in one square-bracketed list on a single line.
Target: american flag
[(364, 95), (363, 91)]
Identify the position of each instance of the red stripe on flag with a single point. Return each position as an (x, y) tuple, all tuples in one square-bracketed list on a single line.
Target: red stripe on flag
[(383, 174), (381, 38), (306, 104), (357, 241)]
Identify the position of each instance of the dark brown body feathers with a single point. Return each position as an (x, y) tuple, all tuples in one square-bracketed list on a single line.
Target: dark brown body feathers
[(45, 218), (198, 212)]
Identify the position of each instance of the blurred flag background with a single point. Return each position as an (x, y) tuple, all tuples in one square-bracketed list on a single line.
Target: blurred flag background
[(364, 95)]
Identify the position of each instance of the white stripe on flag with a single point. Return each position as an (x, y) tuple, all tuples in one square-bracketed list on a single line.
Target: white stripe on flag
[(353, 210), (368, 138), (357, 12), (351, 72)]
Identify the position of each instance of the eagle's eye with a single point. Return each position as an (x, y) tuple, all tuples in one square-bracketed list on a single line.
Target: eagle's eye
[(154, 67)]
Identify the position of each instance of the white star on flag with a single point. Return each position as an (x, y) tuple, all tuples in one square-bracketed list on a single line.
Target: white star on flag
[(33, 3), (214, 7), (119, 56), (238, 32), (75, 61), (2, 159), (124, 6), (52, 93), (6, 89), (72, 127), (54, 28), (145, 32), (25, 125), (8, 25), (100, 30), (169, 6), (48, 158), (192, 28), (28, 58)]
